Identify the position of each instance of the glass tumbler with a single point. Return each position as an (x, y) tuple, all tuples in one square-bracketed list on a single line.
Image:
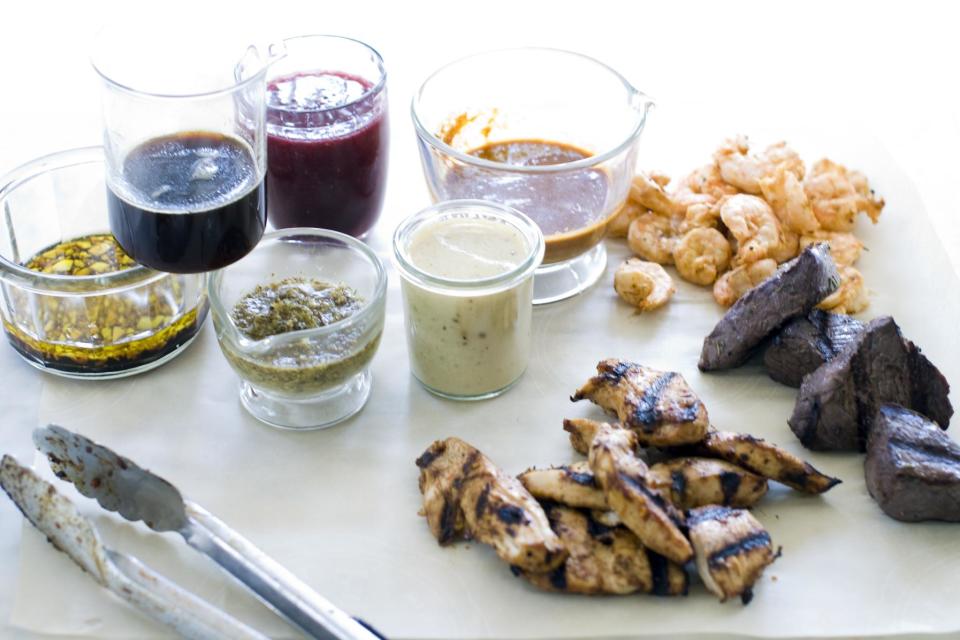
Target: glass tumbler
[(77, 316), (185, 142), (551, 133), (327, 135), (311, 378), (467, 311)]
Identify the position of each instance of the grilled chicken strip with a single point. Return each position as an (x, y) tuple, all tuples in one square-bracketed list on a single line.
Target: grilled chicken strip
[(659, 406), (732, 550), (572, 485), (466, 495), (605, 560), (765, 459), (622, 476), (696, 482)]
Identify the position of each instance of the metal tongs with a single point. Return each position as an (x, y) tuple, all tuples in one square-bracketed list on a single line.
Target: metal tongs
[(119, 485)]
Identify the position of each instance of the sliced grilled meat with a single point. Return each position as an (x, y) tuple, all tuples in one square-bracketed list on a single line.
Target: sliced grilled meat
[(572, 485), (807, 342), (912, 467), (696, 482), (606, 517), (466, 495), (622, 475), (763, 458), (732, 550), (602, 559), (658, 405), (795, 289), (838, 401)]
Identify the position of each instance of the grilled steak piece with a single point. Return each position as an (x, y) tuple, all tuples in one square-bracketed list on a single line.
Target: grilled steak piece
[(792, 291), (838, 401), (913, 467), (732, 550), (805, 343)]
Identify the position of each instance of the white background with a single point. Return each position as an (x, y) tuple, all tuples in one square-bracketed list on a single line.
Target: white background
[(890, 67)]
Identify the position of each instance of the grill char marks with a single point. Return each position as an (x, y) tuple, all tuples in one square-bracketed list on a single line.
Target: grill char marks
[(806, 343), (659, 406), (573, 485), (837, 402), (795, 289), (692, 482), (764, 459), (912, 467), (732, 550), (466, 495), (621, 475)]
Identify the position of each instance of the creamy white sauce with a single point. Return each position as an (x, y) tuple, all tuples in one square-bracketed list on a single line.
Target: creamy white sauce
[(463, 345)]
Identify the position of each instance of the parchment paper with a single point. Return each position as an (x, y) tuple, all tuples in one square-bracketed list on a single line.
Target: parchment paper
[(339, 507)]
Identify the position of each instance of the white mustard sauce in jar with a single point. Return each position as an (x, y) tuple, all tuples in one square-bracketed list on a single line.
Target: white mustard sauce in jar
[(468, 296)]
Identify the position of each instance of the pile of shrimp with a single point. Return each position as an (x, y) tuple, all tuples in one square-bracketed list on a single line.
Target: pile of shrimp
[(730, 223)]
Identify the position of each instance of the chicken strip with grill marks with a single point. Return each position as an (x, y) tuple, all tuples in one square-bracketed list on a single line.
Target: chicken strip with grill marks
[(732, 550), (621, 475), (659, 406), (696, 482), (573, 485), (602, 559), (466, 495), (763, 458)]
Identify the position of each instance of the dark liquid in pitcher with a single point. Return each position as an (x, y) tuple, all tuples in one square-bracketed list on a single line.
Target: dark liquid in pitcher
[(191, 202)]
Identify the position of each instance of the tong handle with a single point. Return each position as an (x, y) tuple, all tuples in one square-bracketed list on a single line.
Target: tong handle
[(271, 582)]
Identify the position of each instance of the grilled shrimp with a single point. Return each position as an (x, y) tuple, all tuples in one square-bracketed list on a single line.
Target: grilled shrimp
[(653, 236), (701, 255), (706, 181), (649, 193), (845, 248), (733, 284), (850, 297), (785, 194), (837, 195), (645, 285), (752, 223), (744, 171), (619, 224)]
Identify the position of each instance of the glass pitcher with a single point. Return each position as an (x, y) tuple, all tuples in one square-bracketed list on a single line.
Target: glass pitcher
[(185, 143)]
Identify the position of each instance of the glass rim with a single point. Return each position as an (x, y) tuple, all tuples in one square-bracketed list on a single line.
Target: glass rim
[(378, 87), (265, 344), (490, 284), (37, 281), (96, 59), (640, 102)]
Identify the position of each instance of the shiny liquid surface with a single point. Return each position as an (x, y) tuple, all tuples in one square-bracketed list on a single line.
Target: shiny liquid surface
[(326, 150), (188, 202), (568, 206)]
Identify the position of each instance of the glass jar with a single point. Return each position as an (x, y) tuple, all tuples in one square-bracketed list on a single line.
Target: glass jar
[(184, 131), (327, 135), (309, 378), (467, 280), (71, 314), (552, 133)]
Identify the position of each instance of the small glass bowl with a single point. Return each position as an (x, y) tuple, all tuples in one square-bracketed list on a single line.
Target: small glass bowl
[(84, 326), (536, 95), (468, 339), (312, 378)]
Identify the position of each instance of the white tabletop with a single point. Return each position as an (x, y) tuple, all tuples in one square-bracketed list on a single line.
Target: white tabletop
[(889, 68)]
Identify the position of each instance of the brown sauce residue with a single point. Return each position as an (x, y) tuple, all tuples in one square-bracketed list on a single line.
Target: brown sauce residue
[(569, 206)]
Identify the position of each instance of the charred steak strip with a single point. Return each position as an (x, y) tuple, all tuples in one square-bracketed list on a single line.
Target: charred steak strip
[(792, 291), (912, 467), (806, 343), (838, 401)]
